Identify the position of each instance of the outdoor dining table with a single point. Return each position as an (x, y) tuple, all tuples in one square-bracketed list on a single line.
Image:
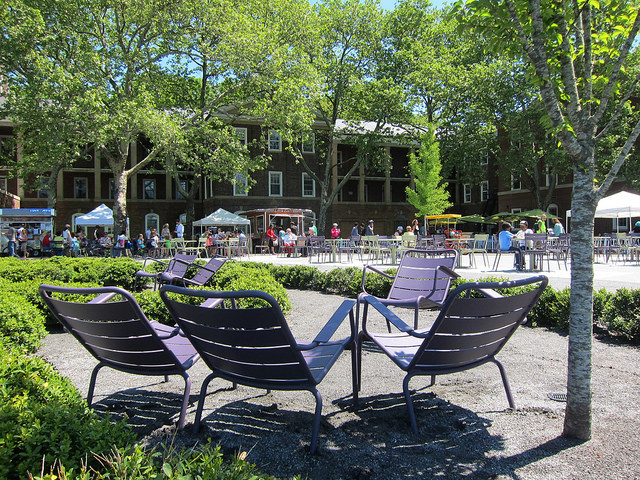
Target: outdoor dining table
[(336, 244)]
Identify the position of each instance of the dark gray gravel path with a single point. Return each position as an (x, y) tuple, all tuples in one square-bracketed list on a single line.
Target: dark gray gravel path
[(466, 429)]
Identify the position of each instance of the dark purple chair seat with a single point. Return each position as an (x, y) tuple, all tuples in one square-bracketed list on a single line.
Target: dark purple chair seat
[(474, 324), (421, 281), (176, 267), (253, 346), (111, 326)]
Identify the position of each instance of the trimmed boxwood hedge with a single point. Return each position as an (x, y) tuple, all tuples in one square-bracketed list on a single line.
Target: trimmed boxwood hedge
[(44, 419)]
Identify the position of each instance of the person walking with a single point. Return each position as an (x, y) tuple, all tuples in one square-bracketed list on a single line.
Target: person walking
[(355, 231), (23, 238)]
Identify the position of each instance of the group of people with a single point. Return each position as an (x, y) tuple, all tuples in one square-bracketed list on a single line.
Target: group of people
[(285, 239), (18, 237), (506, 237), (212, 243), (154, 244), (359, 229)]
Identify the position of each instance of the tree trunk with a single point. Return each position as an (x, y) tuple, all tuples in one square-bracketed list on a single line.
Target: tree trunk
[(577, 421), (120, 203), (52, 187)]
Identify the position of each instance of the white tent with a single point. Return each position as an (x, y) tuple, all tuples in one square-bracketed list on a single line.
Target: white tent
[(100, 216), (618, 205), (221, 218)]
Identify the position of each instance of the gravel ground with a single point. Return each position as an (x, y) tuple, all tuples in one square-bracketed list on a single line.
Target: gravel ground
[(466, 429)]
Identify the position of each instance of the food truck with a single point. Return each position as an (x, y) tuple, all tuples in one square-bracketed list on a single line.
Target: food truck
[(261, 218), (37, 221)]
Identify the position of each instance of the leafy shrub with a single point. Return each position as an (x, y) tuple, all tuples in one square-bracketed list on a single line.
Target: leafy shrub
[(622, 314), (600, 300), (299, 276), (153, 306), (29, 291), (133, 462), (344, 281), (235, 276), (21, 323), (119, 272), (43, 418)]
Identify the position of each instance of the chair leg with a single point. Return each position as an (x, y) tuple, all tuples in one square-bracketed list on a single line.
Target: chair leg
[(505, 382), (407, 398), (316, 421), (92, 383), (203, 395), (185, 400)]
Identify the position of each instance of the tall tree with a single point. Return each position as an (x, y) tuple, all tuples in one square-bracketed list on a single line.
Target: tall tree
[(579, 53), (45, 98), (430, 196), (220, 73), (353, 103)]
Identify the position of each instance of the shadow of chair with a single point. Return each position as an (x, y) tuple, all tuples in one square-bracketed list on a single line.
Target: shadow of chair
[(474, 324), (421, 281), (109, 323), (176, 267), (251, 344)]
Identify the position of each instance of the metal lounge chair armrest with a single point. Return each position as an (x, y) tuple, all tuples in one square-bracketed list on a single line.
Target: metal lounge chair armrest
[(448, 271), (324, 336), (156, 260), (490, 293), (390, 316), (373, 269), (212, 302), (103, 298), (165, 331)]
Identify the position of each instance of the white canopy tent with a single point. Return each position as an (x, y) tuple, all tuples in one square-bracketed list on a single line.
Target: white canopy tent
[(101, 216), (619, 205), (222, 218)]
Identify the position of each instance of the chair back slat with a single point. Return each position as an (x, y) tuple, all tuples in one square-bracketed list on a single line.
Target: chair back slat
[(444, 359), (473, 329), (203, 275), (116, 333), (416, 274), (252, 343)]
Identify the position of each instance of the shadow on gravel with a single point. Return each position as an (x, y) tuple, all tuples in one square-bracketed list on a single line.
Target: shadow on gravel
[(371, 442), (144, 410)]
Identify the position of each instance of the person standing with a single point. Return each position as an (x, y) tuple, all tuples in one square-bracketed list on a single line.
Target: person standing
[(558, 229), (355, 231), (179, 231), (12, 234), (273, 239), (23, 238), (369, 230), (335, 231), (541, 225)]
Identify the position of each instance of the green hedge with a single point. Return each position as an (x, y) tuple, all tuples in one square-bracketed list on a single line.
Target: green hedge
[(21, 323), (44, 419)]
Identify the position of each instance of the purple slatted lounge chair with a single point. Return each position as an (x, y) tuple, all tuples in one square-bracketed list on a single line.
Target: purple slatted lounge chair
[(176, 267), (113, 328), (204, 274), (254, 347), (421, 281), (474, 324)]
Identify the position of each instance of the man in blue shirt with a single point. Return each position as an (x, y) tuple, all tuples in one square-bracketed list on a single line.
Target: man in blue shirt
[(179, 231), (506, 245)]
